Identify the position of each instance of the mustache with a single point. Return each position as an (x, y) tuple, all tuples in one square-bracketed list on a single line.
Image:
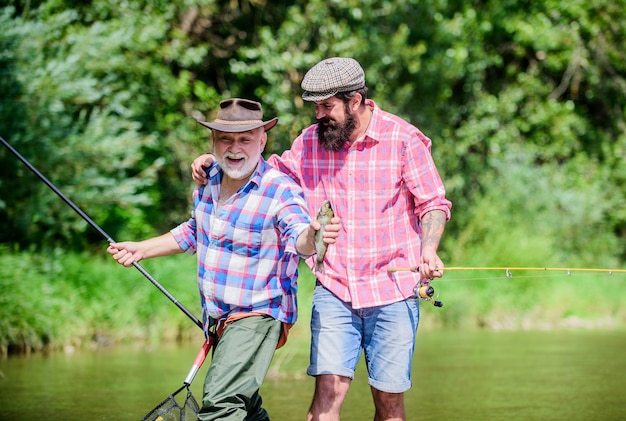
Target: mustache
[(234, 155)]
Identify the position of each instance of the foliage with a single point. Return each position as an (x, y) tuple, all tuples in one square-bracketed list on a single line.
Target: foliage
[(90, 126), (541, 77), (524, 101), (551, 216)]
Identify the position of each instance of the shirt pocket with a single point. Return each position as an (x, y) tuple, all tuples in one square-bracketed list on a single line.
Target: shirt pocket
[(246, 236)]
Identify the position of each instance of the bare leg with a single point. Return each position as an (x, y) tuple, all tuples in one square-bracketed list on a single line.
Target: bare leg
[(330, 392), (389, 406)]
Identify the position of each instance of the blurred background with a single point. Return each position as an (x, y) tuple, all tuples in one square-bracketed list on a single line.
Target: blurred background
[(524, 102)]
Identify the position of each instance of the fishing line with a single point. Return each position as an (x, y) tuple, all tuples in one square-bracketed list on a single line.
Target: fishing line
[(102, 232)]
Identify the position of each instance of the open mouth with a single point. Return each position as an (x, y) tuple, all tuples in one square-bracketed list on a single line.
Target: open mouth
[(235, 161)]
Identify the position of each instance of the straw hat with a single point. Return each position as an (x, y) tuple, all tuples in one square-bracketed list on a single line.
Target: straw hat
[(239, 115)]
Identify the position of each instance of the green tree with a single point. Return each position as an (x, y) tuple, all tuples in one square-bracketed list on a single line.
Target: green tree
[(109, 92), (482, 79)]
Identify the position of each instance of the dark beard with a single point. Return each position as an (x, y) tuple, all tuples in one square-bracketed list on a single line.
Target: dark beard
[(332, 135)]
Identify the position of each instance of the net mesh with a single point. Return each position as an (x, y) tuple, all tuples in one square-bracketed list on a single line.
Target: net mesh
[(170, 410)]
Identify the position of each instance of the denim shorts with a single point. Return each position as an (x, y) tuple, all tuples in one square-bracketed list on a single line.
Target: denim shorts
[(385, 333)]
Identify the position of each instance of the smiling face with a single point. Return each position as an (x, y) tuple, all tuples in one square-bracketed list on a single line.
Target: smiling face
[(336, 123), (238, 153)]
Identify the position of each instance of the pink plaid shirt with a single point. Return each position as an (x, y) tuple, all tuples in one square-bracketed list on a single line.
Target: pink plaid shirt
[(380, 186)]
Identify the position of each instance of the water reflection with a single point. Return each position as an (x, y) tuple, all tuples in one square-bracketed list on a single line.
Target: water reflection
[(457, 376)]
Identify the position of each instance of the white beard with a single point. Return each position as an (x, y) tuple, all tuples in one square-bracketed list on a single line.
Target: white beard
[(241, 172)]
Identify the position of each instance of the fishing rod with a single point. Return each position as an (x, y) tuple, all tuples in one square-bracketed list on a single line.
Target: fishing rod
[(426, 292), (102, 232), (509, 269)]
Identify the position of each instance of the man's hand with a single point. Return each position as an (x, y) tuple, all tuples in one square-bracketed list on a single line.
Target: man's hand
[(430, 265), (128, 252), (198, 167), (125, 253), (306, 241)]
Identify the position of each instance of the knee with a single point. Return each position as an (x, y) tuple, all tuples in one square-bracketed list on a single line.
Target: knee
[(379, 395), (331, 387), (390, 404)]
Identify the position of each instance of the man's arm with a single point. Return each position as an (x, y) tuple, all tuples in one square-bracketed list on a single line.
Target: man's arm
[(128, 252), (433, 225)]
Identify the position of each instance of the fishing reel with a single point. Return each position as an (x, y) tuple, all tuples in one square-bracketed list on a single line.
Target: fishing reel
[(425, 291)]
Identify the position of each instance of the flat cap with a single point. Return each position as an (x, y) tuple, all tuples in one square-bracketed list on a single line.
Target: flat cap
[(331, 76)]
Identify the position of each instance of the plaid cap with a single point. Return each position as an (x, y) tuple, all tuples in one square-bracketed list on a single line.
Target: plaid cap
[(331, 76)]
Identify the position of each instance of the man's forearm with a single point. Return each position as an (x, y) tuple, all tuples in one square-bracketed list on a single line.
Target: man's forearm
[(433, 225), (305, 243), (163, 245)]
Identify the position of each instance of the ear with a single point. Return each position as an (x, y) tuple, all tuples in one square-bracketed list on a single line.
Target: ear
[(263, 140), (355, 101)]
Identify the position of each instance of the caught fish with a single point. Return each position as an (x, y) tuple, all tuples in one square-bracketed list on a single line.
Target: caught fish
[(323, 217)]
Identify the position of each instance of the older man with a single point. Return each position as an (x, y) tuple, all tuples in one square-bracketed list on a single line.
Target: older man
[(377, 171), (249, 227)]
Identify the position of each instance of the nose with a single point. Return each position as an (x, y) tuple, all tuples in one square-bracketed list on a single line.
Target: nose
[(320, 112), (234, 147)]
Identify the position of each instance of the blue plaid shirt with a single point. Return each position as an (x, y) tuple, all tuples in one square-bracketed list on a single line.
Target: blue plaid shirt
[(247, 257)]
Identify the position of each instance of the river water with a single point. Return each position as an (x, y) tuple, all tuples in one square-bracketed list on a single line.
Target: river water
[(483, 375)]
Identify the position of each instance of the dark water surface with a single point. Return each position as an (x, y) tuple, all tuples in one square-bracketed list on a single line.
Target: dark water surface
[(571, 375)]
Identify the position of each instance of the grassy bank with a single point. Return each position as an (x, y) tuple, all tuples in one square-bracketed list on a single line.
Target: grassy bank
[(63, 301)]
